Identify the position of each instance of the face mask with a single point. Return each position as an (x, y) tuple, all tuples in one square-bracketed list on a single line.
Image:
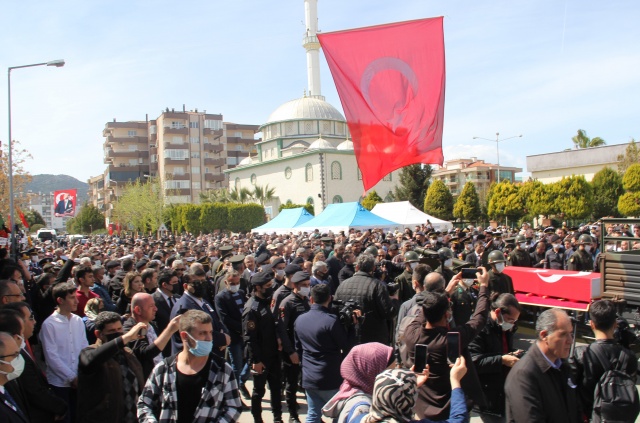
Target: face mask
[(305, 291), (268, 292), (587, 248), (499, 267), (496, 243), (198, 289), (18, 366), (506, 326), (280, 273), (234, 288), (467, 247), (439, 239), (413, 265), (556, 246), (112, 336), (434, 241), (202, 348), (467, 282), (448, 262), (98, 262)]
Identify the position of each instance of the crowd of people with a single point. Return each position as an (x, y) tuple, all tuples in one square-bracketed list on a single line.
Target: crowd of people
[(146, 329)]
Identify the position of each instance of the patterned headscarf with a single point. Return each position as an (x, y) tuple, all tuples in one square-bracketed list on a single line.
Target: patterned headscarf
[(394, 396), (361, 366)]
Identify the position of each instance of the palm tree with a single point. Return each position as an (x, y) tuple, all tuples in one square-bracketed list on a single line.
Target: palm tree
[(219, 195), (263, 194), (581, 140), (242, 195)]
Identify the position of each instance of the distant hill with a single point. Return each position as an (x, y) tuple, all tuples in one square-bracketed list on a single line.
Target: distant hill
[(50, 183)]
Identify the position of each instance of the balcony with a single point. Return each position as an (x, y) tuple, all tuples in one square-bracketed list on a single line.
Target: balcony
[(174, 177), (175, 115), (214, 162), (210, 177), (213, 148), (177, 191), (169, 161), (127, 140), (153, 167), (239, 140), (177, 131), (214, 132), (142, 168), (176, 146)]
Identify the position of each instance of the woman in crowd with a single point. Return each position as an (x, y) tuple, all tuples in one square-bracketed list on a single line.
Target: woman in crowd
[(493, 355), (91, 310), (359, 370), (132, 284), (395, 392)]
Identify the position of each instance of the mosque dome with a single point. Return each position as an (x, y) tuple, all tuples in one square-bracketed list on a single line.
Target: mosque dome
[(245, 161), (321, 144), (345, 145), (305, 108)]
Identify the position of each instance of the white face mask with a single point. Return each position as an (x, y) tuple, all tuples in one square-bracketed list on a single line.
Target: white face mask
[(448, 262), (523, 245), (280, 273), (18, 366), (234, 288), (413, 265), (587, 248), (506, 326), (439, 239), (499, 267), (467, 282), (556, 246), (305, 291)]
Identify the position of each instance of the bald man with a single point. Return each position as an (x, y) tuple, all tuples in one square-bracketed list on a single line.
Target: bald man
[(148, 350)]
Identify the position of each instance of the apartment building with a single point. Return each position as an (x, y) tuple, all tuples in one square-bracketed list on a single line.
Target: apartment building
[(456, 173), (187, 150)]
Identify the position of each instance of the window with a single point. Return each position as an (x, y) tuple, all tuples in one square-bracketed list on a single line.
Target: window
[(194, 125), (289, 128), (206, 155), (359, 175), (177, 140), (178, 171), (254, 178), (213, 124), (175, 154), (194, 140), (195, 170), (387, 178), (308, 128), (310, 200), (176, 184), (132, 147), (287, 173), (336, 171), (308, 172), (232, 161), (326, 127), (337, 199), (133, 162), (154, 158), (195, 154), (131, 134), (237, 134), (195, 185), (239, 147), (205, 140), (153, 129), (206, 170), (177, 125)]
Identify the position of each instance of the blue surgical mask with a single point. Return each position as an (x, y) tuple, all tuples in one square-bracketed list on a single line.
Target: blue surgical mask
[(202, 348)]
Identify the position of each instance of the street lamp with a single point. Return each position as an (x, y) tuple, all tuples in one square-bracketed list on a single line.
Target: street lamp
[(58, 64), (497, 141)]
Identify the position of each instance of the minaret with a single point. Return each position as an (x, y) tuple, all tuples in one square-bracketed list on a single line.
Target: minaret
[(312, 46)]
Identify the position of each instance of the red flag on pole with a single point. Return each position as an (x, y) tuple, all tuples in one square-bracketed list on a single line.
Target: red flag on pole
[(22, 218), (390, 79)]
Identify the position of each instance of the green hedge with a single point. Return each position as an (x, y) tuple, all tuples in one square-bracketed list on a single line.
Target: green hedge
[(208, 218), (308, 207)]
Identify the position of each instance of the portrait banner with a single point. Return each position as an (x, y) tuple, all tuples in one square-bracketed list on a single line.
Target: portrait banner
[(391, 83), (64, 202)]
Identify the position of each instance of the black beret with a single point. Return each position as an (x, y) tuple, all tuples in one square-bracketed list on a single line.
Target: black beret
[(300, 276), (141, 263), (261, 278), (291, 269), (262, 258), (277, 261)]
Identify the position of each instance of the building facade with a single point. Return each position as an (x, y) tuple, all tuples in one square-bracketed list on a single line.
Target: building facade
[(456, 173), (552, 167)]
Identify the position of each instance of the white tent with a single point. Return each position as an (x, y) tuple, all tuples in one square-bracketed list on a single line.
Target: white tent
[(408, 216)]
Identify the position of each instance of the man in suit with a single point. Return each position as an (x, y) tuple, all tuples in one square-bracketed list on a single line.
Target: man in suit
[(10, 368), (44, 406), (165, 298), (64, 206), (192, 299)]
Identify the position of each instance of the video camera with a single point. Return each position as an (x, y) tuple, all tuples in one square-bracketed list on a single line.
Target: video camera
[(345, 312)]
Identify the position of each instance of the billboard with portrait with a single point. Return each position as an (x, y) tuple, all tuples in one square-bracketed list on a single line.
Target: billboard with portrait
[(64, 202)]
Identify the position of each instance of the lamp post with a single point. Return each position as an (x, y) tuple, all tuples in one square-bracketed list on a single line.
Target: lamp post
[(57, 64), (498, 141)]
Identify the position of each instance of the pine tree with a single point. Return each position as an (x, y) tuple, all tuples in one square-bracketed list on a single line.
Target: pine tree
[(414, 183), (505, 202), (371, 200), (629, 203), (574, 197), (467, 205), (631, 156), (439, 201)]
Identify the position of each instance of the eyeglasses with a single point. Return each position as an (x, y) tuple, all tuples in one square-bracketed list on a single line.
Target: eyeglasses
[(10, 355)]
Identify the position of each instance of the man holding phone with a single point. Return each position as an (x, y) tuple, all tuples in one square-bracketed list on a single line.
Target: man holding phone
[(434, 397)]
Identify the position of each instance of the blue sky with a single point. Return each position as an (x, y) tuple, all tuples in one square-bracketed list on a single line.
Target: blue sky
[(539, 68)]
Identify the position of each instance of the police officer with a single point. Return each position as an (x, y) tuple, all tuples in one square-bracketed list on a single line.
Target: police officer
[(519, 256), (225, 252), (291, 308), (498, 281), (286, 288), (404, 281), (582, 259), (261, 345), (445, 255), (554, 257)]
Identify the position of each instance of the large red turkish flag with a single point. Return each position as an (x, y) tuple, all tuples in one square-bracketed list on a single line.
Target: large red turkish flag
[(390, 79)]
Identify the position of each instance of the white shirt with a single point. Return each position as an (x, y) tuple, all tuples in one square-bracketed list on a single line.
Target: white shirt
[(62, 340), (151, 337), (166, 298)]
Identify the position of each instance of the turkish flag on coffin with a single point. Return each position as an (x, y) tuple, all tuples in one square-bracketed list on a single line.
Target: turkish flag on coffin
[(390, 79)]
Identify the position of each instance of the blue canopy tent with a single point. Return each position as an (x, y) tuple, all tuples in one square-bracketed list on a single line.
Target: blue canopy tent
[(284, 222), (343, 216)]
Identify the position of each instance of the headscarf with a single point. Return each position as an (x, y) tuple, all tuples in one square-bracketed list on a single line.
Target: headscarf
[(361, 366), (394, 396), (92, 308)]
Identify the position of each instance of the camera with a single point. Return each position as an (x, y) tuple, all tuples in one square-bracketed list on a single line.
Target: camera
[(345, 311)]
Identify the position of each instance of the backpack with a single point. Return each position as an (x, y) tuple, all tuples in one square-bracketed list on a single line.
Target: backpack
[(353, 409), (401, 346), (616, 397)]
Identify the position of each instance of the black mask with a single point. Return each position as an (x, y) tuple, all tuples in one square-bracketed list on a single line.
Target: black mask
[(268, 292), (112, 336), (198, 289)]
